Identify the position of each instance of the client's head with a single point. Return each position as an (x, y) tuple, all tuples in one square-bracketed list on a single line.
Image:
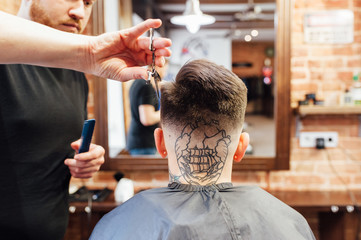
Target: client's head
[(202, 113)]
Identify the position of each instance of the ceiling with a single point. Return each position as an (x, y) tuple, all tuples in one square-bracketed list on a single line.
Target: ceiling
[(234, 15)]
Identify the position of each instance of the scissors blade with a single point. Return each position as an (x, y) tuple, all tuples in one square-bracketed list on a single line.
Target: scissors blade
[(156, 80)]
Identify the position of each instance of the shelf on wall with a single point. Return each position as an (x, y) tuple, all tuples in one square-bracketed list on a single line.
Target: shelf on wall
[(319, 109)]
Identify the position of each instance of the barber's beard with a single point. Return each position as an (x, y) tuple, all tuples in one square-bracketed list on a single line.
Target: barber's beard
[(38, 14)]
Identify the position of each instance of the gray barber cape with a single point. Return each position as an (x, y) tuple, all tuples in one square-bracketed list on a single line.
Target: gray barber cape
[(219, 212)]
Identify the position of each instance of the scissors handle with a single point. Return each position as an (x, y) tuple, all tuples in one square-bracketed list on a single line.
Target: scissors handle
[(151, 36)]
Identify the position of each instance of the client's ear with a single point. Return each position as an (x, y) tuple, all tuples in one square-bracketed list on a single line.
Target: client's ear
[(242, 147), (159, 142)]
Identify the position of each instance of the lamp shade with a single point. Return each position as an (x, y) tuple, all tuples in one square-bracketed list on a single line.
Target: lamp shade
[(193, 17)]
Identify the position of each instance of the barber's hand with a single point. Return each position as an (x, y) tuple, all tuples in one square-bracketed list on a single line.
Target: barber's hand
[(84, 165), (122, 55)]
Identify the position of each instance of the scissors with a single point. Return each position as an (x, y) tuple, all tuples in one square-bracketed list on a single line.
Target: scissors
[(152, 72)]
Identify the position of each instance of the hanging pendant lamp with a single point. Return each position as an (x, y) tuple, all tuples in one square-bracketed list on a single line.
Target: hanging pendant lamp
[(193, 17)]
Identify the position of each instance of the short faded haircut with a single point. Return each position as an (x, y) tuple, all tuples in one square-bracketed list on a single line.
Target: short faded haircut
[(201, 90)]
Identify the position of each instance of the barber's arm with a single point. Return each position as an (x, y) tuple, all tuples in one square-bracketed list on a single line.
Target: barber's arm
[(85, 164), (148, 115), (117, 55)]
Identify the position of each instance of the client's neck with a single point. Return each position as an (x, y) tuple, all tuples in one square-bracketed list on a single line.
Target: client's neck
[(198, 171)]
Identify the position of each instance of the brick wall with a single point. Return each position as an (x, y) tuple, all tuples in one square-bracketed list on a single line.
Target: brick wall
[(323, 69), (326, 70)]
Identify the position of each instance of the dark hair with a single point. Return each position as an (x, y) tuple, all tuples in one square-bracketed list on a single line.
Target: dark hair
[(203, 89)]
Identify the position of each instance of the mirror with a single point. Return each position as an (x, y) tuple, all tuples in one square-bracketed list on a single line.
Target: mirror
[(276, 108)]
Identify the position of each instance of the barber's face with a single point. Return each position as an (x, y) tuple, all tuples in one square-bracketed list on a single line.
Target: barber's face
[(65, 15)]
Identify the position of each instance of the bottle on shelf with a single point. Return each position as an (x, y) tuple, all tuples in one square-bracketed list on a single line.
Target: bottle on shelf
[(356, 89), (347, 98)]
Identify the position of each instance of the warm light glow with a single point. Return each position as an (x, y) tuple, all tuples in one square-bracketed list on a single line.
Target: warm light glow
[(193, 17), (247, 38), (254, 33)]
